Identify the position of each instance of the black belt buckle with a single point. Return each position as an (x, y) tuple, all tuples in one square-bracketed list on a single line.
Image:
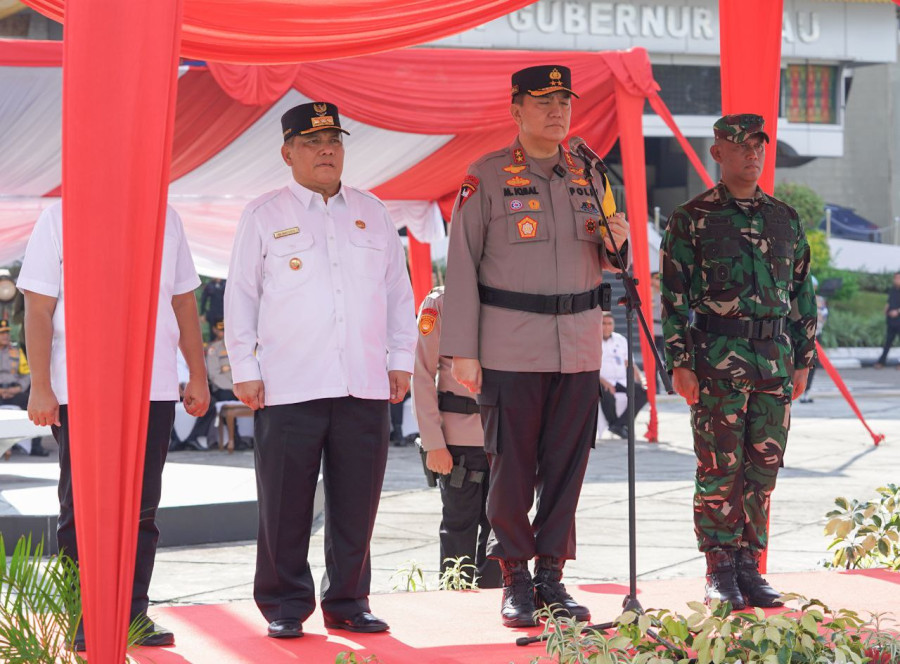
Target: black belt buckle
[(605, 297), (564, 303)]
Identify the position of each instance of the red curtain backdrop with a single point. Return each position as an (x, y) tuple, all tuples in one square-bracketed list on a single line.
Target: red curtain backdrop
[(279, 32), (116, 149), (30, 53), (751, 76)]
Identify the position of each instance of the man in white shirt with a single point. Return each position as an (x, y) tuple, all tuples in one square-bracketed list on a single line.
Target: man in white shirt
[(177, 324), (614, 379), (321, 332)]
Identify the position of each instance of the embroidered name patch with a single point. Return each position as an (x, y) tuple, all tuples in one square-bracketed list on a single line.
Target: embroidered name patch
[(286, 232)]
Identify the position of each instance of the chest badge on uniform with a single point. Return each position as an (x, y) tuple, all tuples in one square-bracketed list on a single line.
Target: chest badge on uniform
[(518, 156), (581, 182), (527, 227), (295, 263), (426, 321), (589, 207), (534, 204), (286, 232), (512, 168), (590, 226), (515, 205), (517, 181)]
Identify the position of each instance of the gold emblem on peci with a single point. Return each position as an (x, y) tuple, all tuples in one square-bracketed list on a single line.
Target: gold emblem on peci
[(320, 109), (555, 77)]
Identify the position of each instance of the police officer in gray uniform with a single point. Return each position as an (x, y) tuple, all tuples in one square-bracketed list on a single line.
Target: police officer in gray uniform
[(521, 322), (453, 441)]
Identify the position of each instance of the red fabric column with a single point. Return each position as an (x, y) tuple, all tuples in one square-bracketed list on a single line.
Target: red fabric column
[(419, 267), (117, 137), (629, 111), (751, 77)]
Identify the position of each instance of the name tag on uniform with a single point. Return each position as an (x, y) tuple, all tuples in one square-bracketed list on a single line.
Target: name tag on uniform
[(286, 232)]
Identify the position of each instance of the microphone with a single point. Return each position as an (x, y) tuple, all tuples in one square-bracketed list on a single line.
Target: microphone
[(579, 147)]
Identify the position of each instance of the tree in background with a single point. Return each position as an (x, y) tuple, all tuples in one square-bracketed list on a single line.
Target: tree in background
[(808, 204)]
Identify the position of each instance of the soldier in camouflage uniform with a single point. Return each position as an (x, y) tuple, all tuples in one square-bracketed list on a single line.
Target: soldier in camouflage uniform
[(739, 260)]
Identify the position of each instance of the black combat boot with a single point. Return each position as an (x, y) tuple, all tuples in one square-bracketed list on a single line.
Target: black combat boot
[(549, 590), (721, 582), (518, 594), (755, 588)]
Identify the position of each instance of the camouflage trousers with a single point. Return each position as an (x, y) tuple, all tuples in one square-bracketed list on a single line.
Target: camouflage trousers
[(740, 433)]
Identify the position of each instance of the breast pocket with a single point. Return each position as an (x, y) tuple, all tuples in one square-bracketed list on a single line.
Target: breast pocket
[(721, 262), (290, 261), (367, 253), (781, 261), (527, 227)]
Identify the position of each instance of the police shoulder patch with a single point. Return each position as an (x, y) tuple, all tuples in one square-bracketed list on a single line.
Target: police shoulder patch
[(469, 187), (427, 319)]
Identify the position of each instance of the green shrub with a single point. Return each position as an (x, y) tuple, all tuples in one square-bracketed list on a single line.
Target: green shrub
[(876, 282), (715, 635), (866, 534), (853, 330), (808, 204), (820, 254)]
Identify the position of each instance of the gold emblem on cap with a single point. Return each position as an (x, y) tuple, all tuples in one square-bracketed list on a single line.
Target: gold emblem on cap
[(324, 121), (320, 109), (555, 77), (296, 263), (360, 223)]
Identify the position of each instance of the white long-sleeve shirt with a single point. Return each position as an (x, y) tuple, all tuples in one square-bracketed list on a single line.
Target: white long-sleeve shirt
[(318, 302)]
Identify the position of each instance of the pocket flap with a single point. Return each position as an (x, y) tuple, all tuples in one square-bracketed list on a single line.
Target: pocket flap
[(782, 249), (368, 240), (291, 244)]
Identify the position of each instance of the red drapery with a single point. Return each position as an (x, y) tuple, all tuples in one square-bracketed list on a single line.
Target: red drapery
[(115, 176), (751, 77), (30, 53), (275, 31)]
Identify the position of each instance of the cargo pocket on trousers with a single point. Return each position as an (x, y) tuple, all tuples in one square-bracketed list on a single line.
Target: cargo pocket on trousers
[(489, 402)]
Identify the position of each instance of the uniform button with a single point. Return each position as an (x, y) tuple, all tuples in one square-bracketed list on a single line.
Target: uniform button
[(338, 291), (334, 264)]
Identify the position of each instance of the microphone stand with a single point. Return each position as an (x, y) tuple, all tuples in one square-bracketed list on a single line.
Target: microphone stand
[(632, 303)]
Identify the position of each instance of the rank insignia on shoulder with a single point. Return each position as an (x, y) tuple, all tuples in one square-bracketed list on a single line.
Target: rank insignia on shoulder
[(516, 181), (360, 224), (515, 205), (518, 156), (534, 204), (286, 232), (295, 263), (512, 168), (581, 182), (527, 227), (469, 187), (570, 162), (589, 207), (426, 321)]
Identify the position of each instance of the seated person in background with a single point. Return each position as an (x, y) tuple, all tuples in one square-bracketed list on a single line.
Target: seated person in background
[(450, 428), (613, 379), (15, 379), (217, 366)]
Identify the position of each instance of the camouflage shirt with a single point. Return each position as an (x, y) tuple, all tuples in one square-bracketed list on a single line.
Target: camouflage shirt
[(736, 258)]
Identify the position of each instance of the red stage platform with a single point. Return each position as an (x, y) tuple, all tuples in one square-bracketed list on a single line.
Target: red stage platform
[(461, 627)]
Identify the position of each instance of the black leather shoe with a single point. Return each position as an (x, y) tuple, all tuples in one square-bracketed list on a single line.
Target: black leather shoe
[(517, 605), (755, 588), (549, 590), (721, 580), (38, 450), (286, 628), (155, 636), (361, 622), (193, 444), (78, 644)]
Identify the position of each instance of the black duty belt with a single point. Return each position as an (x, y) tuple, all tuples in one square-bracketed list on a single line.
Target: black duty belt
[(454, 403), (573, 303), (748, 328)]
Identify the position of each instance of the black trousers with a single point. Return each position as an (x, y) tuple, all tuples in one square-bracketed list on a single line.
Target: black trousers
[(538, 431), (348, 438), (159, 428), (892, 332), (465, 528), (608, 406)]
